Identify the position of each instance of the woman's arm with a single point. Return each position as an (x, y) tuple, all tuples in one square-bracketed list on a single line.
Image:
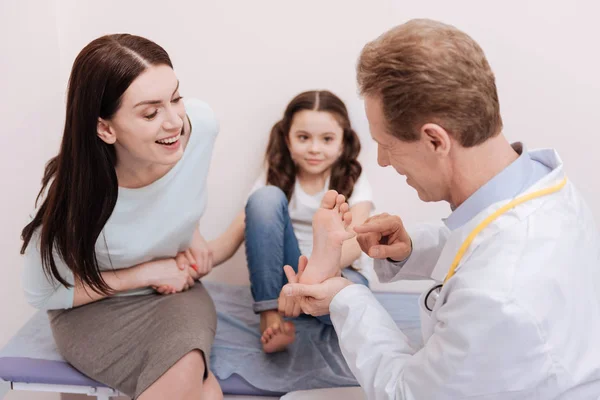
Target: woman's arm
[(119, 281), (350, 249), (225, 246), (153, 273), (47, 294)]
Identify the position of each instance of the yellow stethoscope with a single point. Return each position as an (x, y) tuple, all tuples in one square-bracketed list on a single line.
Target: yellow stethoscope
[(433, 294)]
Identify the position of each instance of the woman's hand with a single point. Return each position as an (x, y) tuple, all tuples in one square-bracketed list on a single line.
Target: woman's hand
[(185, 262), (165, 274), (197, 261)]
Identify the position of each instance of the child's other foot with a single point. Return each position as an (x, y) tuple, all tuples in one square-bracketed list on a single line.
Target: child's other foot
[(277, 334)]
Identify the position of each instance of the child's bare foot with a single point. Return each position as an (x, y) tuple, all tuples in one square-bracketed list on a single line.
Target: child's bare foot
[(277, 334), (329, 233)]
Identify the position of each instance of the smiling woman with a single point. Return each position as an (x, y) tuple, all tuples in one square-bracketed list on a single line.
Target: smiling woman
[(121, 203)]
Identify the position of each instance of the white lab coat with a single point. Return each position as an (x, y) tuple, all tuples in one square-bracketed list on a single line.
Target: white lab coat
[(520, 319)]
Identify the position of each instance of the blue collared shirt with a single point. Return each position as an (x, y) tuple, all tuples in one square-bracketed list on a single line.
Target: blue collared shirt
[(510, 182)]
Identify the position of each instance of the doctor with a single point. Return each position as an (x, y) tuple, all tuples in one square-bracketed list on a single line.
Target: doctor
[(515, 309)]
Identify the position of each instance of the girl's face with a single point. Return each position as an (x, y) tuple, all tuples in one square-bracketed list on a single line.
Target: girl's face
[(147, 127), (315, 141)]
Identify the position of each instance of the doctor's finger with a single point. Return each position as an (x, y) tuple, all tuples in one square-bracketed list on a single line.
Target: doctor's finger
[(305, 306), (298, 289), (289, 307), (297, 309), (397, 251), (290, 274), (282, 304), (368, 240), (314, 307), (383, 225)]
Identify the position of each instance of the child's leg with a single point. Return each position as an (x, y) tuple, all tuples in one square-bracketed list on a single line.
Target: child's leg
[(270, 244), (329, 233)]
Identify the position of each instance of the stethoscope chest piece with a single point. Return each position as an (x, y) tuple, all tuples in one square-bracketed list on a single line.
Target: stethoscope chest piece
[(432, 296)]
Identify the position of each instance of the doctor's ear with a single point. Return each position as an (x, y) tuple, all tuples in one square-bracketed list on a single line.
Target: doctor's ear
[(105, 132), (437, 138)]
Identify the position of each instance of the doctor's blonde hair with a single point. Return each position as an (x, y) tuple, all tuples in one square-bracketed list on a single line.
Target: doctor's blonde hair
[(426, 71)]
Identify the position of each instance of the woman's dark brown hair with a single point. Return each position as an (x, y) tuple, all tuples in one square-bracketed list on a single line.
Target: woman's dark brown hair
[(81, 181), (282, 170)]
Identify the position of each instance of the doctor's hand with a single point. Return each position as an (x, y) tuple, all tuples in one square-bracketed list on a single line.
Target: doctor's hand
[(289, 306), (315, 299), (384, 236)]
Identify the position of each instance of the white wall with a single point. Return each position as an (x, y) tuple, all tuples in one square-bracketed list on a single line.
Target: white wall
[(248, 59), (30, 116)]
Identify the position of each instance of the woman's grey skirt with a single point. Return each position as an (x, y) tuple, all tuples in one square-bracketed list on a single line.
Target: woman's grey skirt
[(128, 342)]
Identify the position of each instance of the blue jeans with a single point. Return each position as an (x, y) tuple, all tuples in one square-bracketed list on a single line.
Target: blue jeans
[(271, 244)]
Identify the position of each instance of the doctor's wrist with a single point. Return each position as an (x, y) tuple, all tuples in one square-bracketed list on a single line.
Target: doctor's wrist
[(345, 296), (405, 258)]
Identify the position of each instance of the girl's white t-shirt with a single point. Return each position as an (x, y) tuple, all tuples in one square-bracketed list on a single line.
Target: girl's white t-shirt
[(302, 207)]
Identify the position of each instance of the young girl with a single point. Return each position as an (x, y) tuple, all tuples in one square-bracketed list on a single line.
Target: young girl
[(312, 149), (120, 215)]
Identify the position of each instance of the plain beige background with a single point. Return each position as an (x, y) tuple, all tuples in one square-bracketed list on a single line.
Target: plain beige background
[(247, 59)]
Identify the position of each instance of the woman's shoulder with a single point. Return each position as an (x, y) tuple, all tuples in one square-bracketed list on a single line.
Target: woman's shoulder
[(202, 118)]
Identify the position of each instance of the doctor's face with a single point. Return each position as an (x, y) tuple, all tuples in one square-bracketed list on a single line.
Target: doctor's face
[(424, 169)]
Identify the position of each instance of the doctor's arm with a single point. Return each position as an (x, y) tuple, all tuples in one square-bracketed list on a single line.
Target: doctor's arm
[(476, 344)]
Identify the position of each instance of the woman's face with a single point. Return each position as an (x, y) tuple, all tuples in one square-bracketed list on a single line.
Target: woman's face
[(147, 127)]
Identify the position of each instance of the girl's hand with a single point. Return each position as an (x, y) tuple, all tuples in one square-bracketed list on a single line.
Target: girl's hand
[(204, 258), (202, 255)]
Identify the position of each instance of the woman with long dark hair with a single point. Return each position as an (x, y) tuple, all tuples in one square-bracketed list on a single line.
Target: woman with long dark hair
[(113, 251), (311, 150)]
